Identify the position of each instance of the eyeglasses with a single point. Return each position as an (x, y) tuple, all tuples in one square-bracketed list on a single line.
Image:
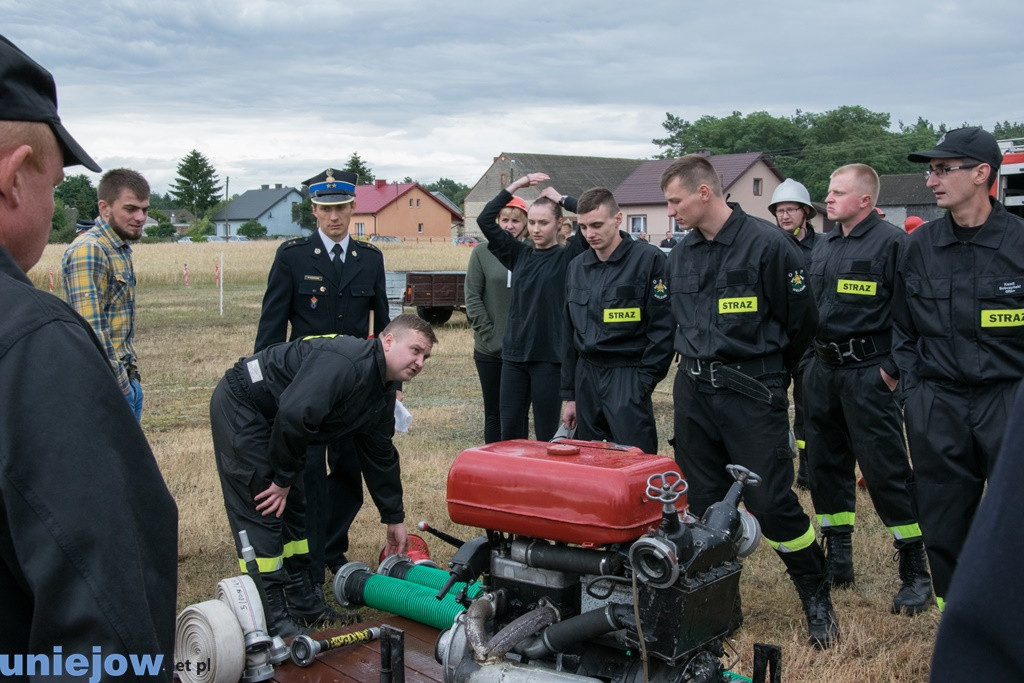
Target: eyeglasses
[(941, 171), (786, 212)]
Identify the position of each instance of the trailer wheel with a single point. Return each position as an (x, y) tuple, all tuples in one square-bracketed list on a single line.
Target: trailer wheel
[(435, 315)]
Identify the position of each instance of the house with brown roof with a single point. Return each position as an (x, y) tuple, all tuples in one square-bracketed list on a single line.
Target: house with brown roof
[(569, 175), (749, 179), (408, 211), (905, 194)]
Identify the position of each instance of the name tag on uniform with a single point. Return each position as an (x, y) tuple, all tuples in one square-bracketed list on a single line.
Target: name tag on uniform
[(255, 374), (1007, 317), (313, 278), (862, 287), (622, 315), (739, 304)]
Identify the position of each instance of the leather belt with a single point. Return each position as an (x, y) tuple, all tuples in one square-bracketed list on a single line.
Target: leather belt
[(852, 350), (739, 377)]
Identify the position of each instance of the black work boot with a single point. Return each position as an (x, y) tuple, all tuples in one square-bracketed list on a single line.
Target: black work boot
[(802, 481), (307, 606), (822, 626), (279, 621), (839, 557), (915, 593)]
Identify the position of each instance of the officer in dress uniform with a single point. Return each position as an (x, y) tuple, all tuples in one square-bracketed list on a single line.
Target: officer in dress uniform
[(327, 283)]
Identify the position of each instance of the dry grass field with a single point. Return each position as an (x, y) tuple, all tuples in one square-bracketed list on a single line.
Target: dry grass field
[(185, 346)]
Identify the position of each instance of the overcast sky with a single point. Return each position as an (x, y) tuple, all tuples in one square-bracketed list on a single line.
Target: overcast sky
[(274, 92)]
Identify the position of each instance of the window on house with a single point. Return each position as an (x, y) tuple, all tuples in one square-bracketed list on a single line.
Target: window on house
[(504, 180), (638, 224), (410, 203), (758, 186), (360, 229), (419, 229), (417, 203)]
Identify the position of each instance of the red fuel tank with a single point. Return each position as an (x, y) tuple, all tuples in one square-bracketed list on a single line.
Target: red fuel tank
[(584, 492)]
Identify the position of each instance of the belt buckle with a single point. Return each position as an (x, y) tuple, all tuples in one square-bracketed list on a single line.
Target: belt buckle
[(699, 367), (850, 353), (834, 348)]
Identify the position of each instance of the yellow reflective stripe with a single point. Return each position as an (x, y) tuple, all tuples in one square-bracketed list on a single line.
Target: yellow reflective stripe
[(941, 602), (298, 547), (265, 564), (622, 315), (801, 444), (906, 531), (862, 287), (1006, 317), (805, 540), (836, 519), (322, 336), (739, 304)]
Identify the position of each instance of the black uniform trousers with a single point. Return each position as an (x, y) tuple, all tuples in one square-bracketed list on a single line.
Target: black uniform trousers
[(241, 441), (954, 432), (612, 404), (718, 427), (338, 495), (854, 418)]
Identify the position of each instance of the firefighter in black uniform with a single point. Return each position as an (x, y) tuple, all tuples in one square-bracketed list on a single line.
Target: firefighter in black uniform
[(744, 317), (618, 335), (88, 529), (321, 291), (791, 206), (958, 334), (853, 416), (264, 414)]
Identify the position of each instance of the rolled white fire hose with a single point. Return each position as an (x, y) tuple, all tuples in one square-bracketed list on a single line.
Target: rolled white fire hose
[(208, 644)]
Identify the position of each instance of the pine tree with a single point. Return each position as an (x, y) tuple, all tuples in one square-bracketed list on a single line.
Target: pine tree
[(196, 186), (359, 167)]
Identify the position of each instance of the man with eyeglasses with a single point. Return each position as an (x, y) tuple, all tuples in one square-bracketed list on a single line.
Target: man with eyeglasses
[(958, 339), (852, 415), (791, 206)]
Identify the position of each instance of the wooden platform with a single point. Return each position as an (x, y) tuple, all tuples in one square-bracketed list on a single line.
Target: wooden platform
[(361, 663)]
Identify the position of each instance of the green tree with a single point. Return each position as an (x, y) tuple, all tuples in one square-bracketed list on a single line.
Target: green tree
[(196, 186), (201, 227), (77, 192), (62, 228), (454, 191), (359, 167), (162, 230), (302, 213), (252, 229), (1006, 130)]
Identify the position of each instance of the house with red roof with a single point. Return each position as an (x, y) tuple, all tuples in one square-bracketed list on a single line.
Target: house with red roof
[(749, 179), (407, 211)]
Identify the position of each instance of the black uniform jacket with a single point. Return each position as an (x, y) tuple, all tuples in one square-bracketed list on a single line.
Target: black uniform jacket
[(806, 244), (852, 280), (88, 529), (303, 289), (742, 295), (959, 307), (323, 389), (618, 313), (535, 314)]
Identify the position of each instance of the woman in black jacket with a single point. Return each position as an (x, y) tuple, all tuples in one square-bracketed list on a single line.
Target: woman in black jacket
[(532, 346)]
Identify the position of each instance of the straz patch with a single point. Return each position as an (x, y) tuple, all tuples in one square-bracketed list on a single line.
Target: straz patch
[(862, 287), (622, 315), (797, 280), (1007, 317), (660, 290), (740, 304)]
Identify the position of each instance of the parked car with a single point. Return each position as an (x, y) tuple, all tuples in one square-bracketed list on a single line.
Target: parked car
[(215, 238), (466, 241), (384, 238), (238, 238), (185, 240)]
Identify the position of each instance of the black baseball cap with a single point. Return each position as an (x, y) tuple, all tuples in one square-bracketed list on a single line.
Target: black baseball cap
[(971, 143), (27, 93)]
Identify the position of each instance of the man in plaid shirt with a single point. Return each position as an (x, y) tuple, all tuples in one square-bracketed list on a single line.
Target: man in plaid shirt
[(99, 280)]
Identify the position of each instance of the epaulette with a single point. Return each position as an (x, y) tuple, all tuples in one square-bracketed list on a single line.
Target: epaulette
[(295, 242), (369, 245)]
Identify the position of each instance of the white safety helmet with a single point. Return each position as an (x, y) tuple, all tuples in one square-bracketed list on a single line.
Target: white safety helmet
[(792, 191)]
